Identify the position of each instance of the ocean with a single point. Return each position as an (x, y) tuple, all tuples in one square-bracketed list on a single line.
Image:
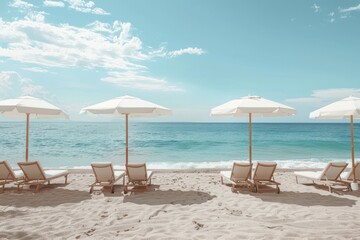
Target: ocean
[(178, 145)]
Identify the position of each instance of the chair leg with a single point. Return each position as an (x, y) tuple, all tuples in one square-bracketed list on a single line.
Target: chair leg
[(126, 189), (297, 182), (92, 187), (112, 188), (37, 188), (66, 178), (3, 188), (222, 180)]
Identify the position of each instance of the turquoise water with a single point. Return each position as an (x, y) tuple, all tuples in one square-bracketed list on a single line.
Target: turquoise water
[(178, 145)]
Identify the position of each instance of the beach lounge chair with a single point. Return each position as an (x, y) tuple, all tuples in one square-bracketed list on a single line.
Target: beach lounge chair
[(349, 176), (106, 176), (35, 175), (330, 176), (7, 175), (264, 176), (137, 175), (239, 174)]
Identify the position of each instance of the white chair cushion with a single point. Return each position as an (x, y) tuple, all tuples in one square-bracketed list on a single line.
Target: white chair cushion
[(309, 174), (226, 174), (51, 174)]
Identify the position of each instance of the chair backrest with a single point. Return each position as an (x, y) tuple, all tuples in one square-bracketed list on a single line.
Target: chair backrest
[(264, 171), (333, 170), (104, 172), (6, 172), (32, 170), (350, 175), (136, 172), (240, 171)]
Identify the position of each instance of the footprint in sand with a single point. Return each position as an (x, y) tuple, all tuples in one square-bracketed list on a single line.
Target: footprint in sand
[(90, 232), (198, 225)]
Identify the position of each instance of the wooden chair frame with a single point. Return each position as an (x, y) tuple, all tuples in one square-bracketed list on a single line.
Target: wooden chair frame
[(239, 182), (40, 180), (330, 183), (110, 183), (256, 182), (143, 182), (11, 177)]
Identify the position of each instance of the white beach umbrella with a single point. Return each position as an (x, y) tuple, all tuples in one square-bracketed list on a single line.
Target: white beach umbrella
[(29, 107), (347, 108), (252, 106), (127, 106)]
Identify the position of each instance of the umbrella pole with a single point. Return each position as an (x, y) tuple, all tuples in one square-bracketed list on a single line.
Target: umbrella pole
[(127, 139), (27, 137), (352, 147), (250, 139)]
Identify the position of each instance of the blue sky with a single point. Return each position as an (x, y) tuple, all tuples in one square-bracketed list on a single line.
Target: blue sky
[(189, 56)]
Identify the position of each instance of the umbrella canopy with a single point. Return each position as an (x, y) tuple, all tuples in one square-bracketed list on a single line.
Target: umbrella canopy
[(347, 108), (27, 106), (252, 106), (127, 106), (342, 109)]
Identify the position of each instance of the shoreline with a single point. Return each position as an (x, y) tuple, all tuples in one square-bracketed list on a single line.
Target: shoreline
[(199, 170)]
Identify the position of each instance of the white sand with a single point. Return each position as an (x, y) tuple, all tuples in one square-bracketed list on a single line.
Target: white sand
[(179, 205)]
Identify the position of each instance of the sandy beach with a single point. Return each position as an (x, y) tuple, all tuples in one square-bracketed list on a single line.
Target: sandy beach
[(179, 205)]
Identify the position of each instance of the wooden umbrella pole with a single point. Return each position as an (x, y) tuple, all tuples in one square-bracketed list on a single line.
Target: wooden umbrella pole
[(352, 147), (127, 139), (250, 139), (27, 137)]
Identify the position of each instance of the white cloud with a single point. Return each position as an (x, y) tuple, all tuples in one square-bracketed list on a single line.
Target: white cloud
[(332, 20), (12, 81), (99, 45), (98, 26), (49, 3), (326, 95), (86, 7), (44, 44), (135, 80), (21, 4), (190, 50), (350, 9), (36, 16), (36, 69), (331, 14), (316, 8), (5, 80), (335, 93)]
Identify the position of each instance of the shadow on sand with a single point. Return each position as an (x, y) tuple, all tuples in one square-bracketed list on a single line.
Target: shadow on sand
[(305, 199), (268, 194), (159, 197), (19, 235), (338, 190), (46, 197)]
